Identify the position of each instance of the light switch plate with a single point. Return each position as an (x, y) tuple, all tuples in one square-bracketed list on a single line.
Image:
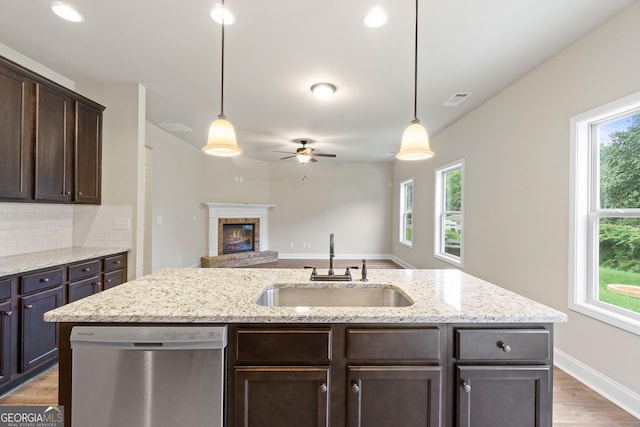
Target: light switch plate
[(121, 224)]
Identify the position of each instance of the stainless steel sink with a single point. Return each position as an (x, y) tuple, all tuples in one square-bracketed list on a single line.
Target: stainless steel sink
[(295, 296)]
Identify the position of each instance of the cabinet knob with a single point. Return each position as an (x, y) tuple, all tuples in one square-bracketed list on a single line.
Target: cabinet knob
[(355, 387), (7, 313), (68, 193), (108, 280), (44, 280), (466, 387), (323, 387), (86, 269), (117, 263), (504, 346), (28, 306), (79, 193)]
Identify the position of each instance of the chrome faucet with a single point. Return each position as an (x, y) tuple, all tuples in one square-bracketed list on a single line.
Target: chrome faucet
[(332, 255)]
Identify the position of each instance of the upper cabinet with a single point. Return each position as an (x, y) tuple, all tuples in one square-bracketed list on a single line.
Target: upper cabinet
[(16, 135), (53, 138)]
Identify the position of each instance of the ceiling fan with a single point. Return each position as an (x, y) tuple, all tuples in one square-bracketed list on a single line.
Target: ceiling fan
[(304, 154)]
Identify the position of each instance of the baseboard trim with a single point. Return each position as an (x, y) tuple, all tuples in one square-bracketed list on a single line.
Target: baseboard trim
[(402, 262), (338, 256), (620, 395)]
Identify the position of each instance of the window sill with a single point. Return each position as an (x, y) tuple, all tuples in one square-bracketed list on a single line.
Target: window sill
[(602, 312), (406, 244), (449, 259)]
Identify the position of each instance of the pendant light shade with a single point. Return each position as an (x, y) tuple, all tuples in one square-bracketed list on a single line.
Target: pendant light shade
[(415, 140), (415, 143), (222, 139)]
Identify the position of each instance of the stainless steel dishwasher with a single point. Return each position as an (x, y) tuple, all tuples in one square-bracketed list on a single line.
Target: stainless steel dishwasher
[(152, 376)]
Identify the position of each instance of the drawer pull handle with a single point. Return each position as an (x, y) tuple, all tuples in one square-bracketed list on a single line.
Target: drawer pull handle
[(117, 262), (355, 387), (44, 280), (28, 306), (466, 387), (8, 313), (86, 269), (323, 387), (504, 346)]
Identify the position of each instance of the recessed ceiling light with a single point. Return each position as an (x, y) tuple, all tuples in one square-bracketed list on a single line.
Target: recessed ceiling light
[(66, 11), (323, 91), (376, 17), (222, 15)]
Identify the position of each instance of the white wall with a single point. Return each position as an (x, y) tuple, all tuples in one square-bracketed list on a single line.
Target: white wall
[(516, 148), (351, 200)]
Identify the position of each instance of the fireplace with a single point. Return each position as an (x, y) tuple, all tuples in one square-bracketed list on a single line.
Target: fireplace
[(238, 238)]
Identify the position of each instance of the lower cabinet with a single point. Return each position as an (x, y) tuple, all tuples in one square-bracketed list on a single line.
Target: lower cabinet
[(6, 319), (282, 396), (83, 288), (39, 338), (390, 396), (504, 396)]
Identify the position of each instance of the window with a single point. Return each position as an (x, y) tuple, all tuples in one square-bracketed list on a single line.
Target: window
[(605, 221), (406, 212), (449, 213)]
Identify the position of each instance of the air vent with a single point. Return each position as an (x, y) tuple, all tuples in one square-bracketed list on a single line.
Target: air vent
[(175, 127), (456, 99)]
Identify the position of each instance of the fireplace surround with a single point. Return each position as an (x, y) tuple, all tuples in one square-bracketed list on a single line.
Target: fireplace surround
[(237, 213)]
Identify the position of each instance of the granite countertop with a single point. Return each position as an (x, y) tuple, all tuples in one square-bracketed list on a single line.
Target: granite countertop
[(16, 264), (227, 295)]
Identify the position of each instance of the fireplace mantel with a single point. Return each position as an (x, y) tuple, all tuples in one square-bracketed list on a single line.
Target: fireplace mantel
[(237, 210)]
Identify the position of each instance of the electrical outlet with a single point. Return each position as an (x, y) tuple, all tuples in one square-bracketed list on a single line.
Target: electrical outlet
[(121, 224), (158, 219)]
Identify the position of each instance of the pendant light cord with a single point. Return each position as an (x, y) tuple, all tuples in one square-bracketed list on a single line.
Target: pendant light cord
[(222, 66), (415, 70)]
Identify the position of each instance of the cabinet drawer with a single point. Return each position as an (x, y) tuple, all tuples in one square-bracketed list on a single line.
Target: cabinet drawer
[(83, 288), (39, 281), (393, 344), (114, 263), (503, 344), (284, 345), (86, 269), (114, 278), (5, 289)]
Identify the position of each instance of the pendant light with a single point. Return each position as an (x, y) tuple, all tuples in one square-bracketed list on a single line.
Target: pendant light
[(415, 140), (222, 137)]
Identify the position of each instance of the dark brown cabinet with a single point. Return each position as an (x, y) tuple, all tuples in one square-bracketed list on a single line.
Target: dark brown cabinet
[(504, 396), (6, 330), (503, 377), (39, 338), (51, 140), (53, 146), (281, 396), (88, 154), (335, 375), (16, 135)]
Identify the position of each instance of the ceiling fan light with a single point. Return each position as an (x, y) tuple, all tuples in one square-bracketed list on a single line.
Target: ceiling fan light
[(222, 15), (66, 11), (303, 158), (415, 143), (222, 139), (323, 91)]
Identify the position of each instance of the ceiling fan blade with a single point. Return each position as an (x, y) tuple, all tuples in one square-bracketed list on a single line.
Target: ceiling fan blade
[(285, 152), (288, 157), (312, 160), (323, 155)]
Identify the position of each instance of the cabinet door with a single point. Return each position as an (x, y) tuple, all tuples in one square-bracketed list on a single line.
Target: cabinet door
[(504, 396), (6, 317), (16, 135), (383, 396), (39, 338), (281, 396), (88, 155), (83, 288), (53, 146)]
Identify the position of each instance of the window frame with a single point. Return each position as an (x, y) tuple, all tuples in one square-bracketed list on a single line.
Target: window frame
[(585, 214), (440, 213), (404, 211)]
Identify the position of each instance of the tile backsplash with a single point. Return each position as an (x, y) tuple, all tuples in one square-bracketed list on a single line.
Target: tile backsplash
[(33, 227)]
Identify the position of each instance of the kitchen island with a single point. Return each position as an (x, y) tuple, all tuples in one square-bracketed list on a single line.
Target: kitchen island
[(462, 340)]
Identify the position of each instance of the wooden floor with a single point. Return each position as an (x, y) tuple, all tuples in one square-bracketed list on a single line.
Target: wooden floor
[(574, 404)]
